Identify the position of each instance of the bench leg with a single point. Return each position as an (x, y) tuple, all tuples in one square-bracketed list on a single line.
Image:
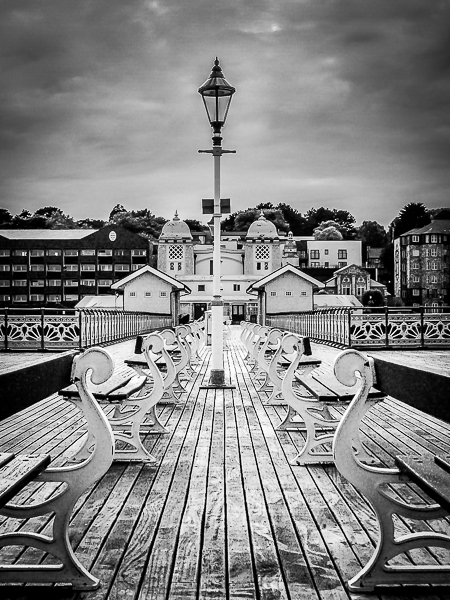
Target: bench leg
[(373, 482)]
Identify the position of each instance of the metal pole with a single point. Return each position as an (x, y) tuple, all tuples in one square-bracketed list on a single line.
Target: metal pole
[(217, 376)]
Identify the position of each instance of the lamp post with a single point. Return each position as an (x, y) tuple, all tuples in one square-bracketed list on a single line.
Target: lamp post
[(217, 93)]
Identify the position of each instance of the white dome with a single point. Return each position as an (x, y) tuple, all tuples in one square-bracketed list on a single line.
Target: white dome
[(262, 228), (176, 229)]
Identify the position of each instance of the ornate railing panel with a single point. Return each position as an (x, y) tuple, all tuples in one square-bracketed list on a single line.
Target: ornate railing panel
[(366, 328), (48, 329)]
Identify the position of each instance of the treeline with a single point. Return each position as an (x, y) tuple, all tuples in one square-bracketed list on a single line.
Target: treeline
[(322, 223)]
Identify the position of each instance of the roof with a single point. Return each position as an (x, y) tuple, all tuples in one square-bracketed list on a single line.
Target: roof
[(336, 300), (179, 285), (436, 226), (101, 301), (257, 285), (262, 228), (46, 234), (176, 229)]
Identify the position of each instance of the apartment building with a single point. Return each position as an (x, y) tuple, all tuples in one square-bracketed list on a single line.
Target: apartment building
[(53, 267), (422, 264)]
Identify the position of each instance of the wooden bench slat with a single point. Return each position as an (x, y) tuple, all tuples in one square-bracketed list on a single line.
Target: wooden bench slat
[(19, 471), (5, 457), (343, 392), (429, 476), (318, 391), (118, 389)]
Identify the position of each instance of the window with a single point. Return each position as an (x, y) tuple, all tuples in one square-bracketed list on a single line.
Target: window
[(36, 253), (163, 294), (71, 252), (71, 297), (416, 252), (122, 267), (5, 283), (5, 267), (434, 279), (303, 294), (71, 283), (236, 287), (211, 267), (19, 298), (105, 252), (120, 252), (71, 268), (19, 268), (416, 292), (435, 265), (262, 252), (88, 282), (5, 298), (51, 282), (416, 238), (4, 252), (148, 294), (315, 264), (288, 293), (326, 264), (54, 297), (258, 266), (36, 297), (19, 282), (105, 282), (326, 252), (342, 254), (201, 288), (87, 267), (342, 264), (433, 252), (360, 290), (135, 267), (53, 252), (20, 253), (273, 293), (37, 283), (105, 267), (87, 252), (416, 278), (434, 239), (37, 267), (314, 254), (138, 252), (132, 294), (53, 267)]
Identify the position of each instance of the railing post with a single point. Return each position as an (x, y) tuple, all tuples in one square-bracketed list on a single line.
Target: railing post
[(349, 324), (386, 325), (6, 329), (42, 329), (422, 327)]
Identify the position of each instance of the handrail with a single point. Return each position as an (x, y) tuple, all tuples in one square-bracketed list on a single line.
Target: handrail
[(64, 329), (370, 327)]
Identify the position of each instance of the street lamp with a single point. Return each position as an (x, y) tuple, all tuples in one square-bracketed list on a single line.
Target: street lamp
[(217, 93)]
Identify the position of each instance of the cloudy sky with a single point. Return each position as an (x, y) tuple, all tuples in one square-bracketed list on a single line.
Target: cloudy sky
[(339, 103)]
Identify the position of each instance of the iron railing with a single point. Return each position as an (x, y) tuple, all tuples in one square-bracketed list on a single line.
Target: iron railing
[(65, 329), (386, 327)]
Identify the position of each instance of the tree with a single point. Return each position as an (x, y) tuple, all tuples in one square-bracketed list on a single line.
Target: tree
[(139, 221), (297, 223), (195, 225), (244, 218), (5, 217), (91, 223), (412, 216), (118, 208), (372, 298), (327, 231), (372, 234), (345, 222)]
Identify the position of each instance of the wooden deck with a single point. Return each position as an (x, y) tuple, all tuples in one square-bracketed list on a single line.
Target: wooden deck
[(223, 515)]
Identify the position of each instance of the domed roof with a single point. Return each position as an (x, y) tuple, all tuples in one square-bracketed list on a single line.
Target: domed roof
[(262, 228), (176, 229)]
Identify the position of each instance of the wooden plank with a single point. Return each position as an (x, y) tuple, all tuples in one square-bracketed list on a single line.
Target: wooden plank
[(18, 472), (429, 476)]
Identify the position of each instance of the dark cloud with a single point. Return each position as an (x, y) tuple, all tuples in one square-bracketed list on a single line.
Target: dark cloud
[(343, 102)]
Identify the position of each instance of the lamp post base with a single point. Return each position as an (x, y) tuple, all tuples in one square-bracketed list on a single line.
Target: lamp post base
[(217, 381)]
